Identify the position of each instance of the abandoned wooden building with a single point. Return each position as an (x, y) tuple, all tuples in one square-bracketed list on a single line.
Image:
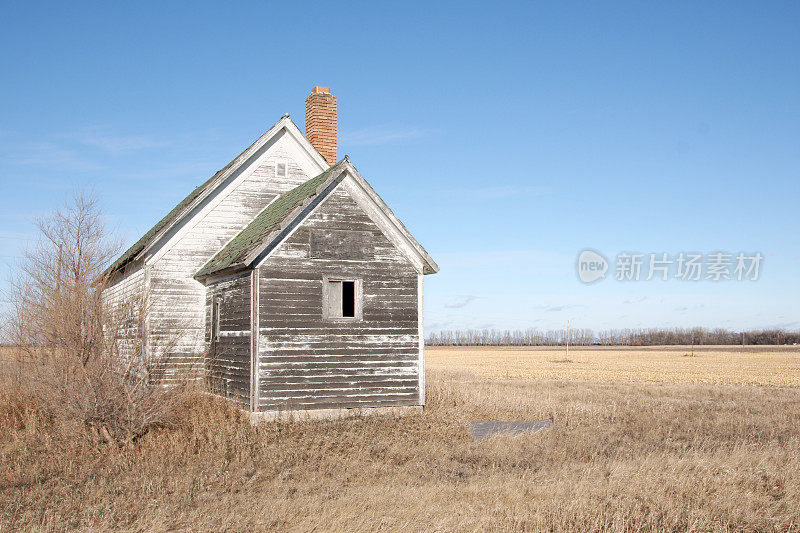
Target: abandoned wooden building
[(286, 278)]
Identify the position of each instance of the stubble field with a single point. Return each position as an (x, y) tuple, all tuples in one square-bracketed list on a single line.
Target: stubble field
[(644, 439), (725, 365)]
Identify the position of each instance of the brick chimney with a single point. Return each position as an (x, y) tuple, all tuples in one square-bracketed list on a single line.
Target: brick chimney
[(321, 122)]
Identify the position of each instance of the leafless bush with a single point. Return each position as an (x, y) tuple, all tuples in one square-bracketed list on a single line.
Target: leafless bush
[(66, 362)]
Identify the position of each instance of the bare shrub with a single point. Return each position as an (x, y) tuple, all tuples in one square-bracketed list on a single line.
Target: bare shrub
[(67, 363)]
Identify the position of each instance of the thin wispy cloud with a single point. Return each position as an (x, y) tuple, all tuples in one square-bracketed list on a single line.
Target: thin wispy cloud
[(460, 302), (198, 171), (689, 307), (47, 154), (376, 135), (94, 149), (488, 258), (556, 308), (106, 141), (498, 192), (635, 300), (459, 324)]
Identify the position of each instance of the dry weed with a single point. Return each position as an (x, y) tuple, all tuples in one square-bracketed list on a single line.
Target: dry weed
[(622, 457)]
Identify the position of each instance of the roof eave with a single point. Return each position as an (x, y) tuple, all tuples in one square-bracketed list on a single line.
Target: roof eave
[(270, 241), (297, 213), (251, 257), (232, 270), (429, 266), (229, 169), (285, 123)]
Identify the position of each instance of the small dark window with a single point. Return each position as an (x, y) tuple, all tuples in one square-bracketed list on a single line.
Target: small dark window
[(341, 299), (348, 298), (280, 169)]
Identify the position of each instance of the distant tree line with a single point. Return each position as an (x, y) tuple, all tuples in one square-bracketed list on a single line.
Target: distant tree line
[(610, 337)]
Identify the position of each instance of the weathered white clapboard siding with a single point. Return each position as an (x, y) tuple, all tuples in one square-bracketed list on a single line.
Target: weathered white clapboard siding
[(123, 299), (228, 363), (177, 313), (305, 362)]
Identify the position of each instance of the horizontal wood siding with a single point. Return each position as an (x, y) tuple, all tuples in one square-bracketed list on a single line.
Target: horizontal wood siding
[(307, 363), (178, 300), (123, 299), (228, 360)]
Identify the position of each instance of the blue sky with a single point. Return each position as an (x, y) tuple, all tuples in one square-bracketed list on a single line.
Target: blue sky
[(508, 137)]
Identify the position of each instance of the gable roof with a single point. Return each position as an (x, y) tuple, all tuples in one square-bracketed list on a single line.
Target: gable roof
[(200, 193), (268, 221), (271, 225)]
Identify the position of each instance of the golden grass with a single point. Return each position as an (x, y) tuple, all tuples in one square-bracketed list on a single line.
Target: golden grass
[(623, 456), (747, 365)]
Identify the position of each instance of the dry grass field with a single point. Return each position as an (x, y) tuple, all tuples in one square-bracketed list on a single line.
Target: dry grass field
[(739, 365), (664, 443)]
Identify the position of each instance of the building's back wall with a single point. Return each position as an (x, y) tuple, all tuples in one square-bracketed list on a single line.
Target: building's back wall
[(308, 363)]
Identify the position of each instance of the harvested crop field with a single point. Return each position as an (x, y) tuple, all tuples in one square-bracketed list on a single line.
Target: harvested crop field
[(623, 455), (741, 365)]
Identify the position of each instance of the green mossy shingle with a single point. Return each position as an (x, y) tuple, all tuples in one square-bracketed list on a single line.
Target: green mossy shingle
[(265, 223), (142, 243)]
